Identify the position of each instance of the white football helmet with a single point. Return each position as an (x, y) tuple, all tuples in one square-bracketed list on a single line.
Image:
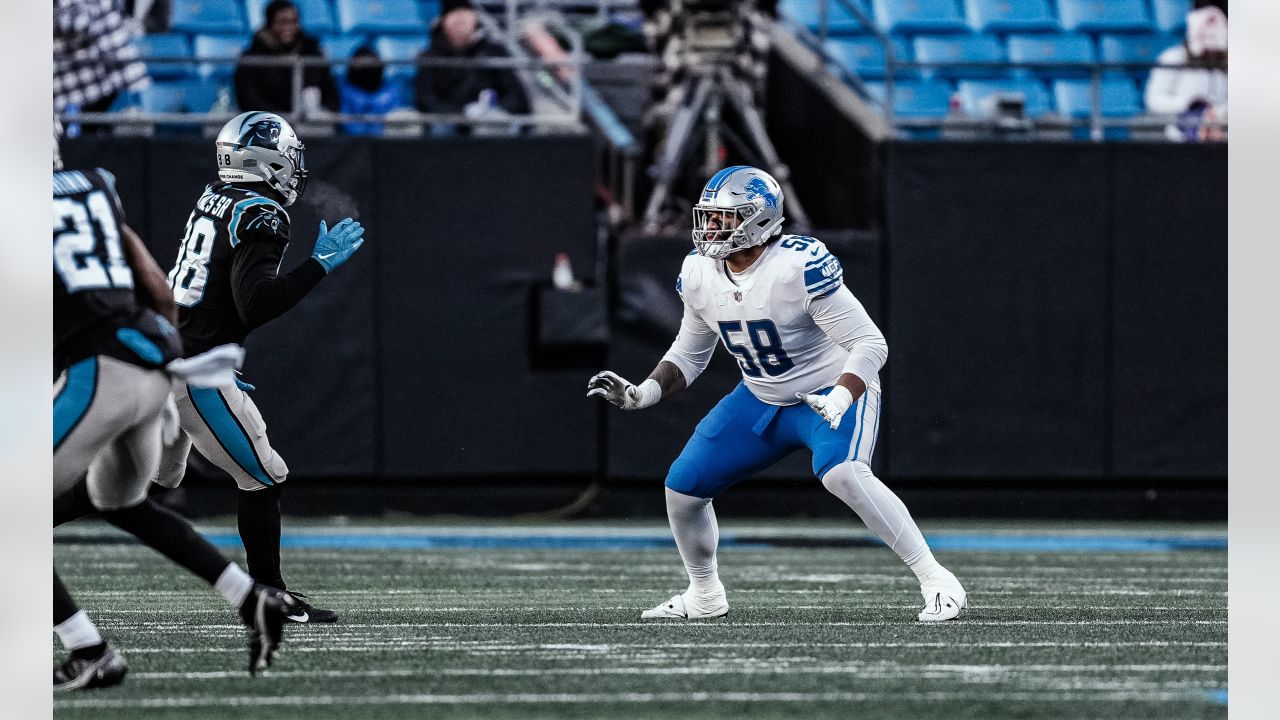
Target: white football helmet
[(751, 196), (262, 147)]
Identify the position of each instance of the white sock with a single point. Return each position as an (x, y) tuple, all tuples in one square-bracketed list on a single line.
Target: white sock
[(234, 584), (693, 523), (77, 631), (882, 511)]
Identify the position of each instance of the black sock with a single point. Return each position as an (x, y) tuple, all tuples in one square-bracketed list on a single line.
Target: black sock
[(63, 606), (167, 532), (258, 518)]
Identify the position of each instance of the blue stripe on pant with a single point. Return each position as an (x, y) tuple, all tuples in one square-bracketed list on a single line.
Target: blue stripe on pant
[(743, 435), (228, 431), (73, 401)]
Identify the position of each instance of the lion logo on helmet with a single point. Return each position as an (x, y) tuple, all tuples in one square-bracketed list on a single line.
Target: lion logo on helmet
[(757, 187)]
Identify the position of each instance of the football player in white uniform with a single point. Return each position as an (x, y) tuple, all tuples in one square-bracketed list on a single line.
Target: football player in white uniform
[(810, 358)]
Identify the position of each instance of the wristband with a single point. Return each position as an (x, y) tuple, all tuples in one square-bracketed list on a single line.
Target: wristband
[(840, 398), (648, 393)]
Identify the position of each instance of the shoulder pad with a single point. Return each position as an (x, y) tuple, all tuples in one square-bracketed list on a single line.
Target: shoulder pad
[(821, 271), (258, 216), (691, 279)]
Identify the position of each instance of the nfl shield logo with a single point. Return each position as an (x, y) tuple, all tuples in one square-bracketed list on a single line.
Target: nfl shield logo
[(737, 295)]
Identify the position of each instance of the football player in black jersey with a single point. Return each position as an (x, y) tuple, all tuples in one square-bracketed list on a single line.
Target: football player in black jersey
[(226, 283), (115, 355)]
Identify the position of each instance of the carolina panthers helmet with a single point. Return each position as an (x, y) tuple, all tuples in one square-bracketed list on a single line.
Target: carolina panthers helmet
[(754, 198), (262, 147)]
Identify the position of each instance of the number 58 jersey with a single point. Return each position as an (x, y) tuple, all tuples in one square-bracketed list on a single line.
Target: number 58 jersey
[(788, 319)]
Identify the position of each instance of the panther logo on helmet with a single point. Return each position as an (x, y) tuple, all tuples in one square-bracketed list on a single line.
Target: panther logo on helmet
[(261, 147)]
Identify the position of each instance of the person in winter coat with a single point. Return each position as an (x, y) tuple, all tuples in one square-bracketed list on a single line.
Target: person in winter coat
[(451, 89), (260, 87)]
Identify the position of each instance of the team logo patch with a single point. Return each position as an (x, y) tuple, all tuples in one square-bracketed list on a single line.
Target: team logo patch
[(264, 133), (830, 268), (267, 218), (737, 295), (758, 188)]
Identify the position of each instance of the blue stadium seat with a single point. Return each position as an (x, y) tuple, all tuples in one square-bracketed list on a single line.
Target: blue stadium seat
[(169, 45), (1104, 15), (972, 93), (316, 15), (379, 16), (429, 10), (912, 16), (1005, 16), (222, 48), (916, 98), (207, 16), (807, 14), (959, 49), (202, 93), (1119, 97), (865, 57), (1171, 15), (338, 48), (163, 97), (1062, 49), (1133, 49), (391, 47)]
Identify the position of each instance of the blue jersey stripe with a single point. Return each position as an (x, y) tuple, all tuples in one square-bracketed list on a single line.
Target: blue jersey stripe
[(215, 412), (827, 284), (819, 261), (73, 401), (813, 277), (235, 215)]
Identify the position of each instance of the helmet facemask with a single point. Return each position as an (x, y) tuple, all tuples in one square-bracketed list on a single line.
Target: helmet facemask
[(728, 236)]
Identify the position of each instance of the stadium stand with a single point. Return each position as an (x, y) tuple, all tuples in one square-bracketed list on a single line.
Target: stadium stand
[(865, 56), (1120, 97), (1068, 50), (1109, 16), (919, 16), (1133, 49), (384, 16), (167, 45), (1001, 16), (391, 48), (219, 53), (839, 20), (974, 92), (959, 49), (1171, 15), (916, 98), (316, 16), (206, 16)]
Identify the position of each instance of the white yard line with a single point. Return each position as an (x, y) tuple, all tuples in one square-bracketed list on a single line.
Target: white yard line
[(595, 698)]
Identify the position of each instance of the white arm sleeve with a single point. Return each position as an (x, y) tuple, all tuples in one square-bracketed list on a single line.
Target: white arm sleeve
[(693, 346), (844, 320)]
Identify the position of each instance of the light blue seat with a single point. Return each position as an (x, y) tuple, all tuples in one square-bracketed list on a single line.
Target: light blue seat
[(379, 16), (207, 16), (1171, 15), (1119, 97), (316, 16), (865, 57), (808, 14), (1104, 16), (1053, 49), (959, 49), (167, 45), (973, 92), (202, 93), (1006, 16), (338, 49), (220, 53), (428, 10), (163, 97), (915, 16), (915, 98), (1133, 49), (392, 47)]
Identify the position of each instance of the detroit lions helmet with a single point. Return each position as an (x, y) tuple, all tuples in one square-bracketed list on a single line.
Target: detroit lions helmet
[(261, 147), (755, 200)]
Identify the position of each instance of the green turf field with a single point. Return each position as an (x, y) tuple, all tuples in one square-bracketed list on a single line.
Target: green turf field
[(553, 632)]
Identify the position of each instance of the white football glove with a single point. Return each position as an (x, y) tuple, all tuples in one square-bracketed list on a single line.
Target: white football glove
[(212, 368), (170, 423), (831, 406), (618, 391)]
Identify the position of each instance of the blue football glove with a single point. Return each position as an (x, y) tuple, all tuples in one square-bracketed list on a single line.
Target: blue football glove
[(334, 247)]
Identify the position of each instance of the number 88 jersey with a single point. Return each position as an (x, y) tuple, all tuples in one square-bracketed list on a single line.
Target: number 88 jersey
[(763, 317)]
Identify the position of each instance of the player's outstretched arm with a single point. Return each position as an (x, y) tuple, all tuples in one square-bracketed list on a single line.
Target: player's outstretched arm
[(150, 279), (665, 380)]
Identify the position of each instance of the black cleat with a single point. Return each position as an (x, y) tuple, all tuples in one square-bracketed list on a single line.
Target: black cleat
[(263, 613), (81, 672), (306, 613)]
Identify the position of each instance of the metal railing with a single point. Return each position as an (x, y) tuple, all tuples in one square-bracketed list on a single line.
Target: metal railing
[(1097, 122), (566, 117)]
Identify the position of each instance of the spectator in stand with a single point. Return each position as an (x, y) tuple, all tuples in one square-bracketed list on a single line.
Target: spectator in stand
[(439, 89), (261, 87), (364, 92), (94, 57), (1196, 92)]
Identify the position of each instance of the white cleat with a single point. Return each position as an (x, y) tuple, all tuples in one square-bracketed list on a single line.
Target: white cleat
[(944, 598), (689, 607)]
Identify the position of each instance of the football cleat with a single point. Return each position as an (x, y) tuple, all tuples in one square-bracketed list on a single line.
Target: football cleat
[(82, 673), (944, 598), (689, 607), (307, 613), (263, 613)]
